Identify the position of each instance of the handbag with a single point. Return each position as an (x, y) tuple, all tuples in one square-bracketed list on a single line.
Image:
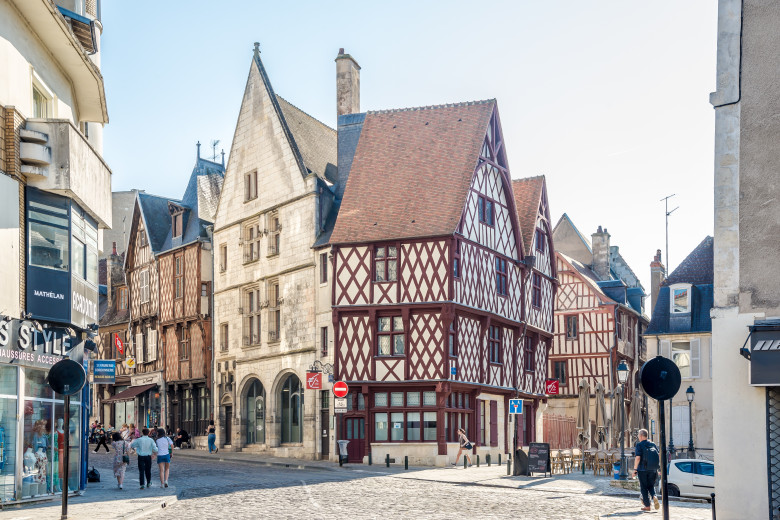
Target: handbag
[(468, 446), (125, 457)]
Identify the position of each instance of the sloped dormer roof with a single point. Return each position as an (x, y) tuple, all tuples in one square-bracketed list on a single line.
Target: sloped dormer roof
[(528, 196), (411, 172)]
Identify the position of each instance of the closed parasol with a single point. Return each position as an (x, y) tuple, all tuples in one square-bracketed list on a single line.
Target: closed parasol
[(635, 419), (601, 415), (583, 414), (618, 407)]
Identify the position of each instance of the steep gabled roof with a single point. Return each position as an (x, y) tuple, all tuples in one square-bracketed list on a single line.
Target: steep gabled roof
[(157, 220), (590, 278), (697, 268), (528, 197), (411, 172), (315, 140)]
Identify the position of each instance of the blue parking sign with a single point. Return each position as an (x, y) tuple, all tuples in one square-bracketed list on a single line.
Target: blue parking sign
[(515, 406)]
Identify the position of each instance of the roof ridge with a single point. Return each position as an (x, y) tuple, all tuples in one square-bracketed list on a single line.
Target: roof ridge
[(432, 107), (305, 113), (158, 196), (529, 178)]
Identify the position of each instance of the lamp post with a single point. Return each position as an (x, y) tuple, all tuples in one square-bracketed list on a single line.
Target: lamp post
[(622, 373), (671, 431), (690, 394)]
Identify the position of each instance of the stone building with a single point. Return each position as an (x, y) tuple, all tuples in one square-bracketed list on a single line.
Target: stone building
[(55, 203), (272, 275), (745, 365)]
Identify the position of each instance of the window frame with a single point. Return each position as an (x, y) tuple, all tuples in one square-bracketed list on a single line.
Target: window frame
[(392, 333), (274, 312), (252, 321), (560, 375), (686, 288), (274, 233), (122, 299), (572, 323), (501, 277), (250, 186), (495, 340), (486, 210), (184, 342), (529, 359), (452, 338), (251, 236), (536, 290), (541, 239), (404, 410), (323, 341), (222, 258), (323, 268), (178, 276), (456, 267), (224, 337), (385, 260), (143, 285)]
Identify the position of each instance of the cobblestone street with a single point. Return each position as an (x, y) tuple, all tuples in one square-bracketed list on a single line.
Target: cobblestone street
[(222, 488)]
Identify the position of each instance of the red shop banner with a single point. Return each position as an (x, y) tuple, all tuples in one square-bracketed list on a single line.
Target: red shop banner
[(552, 387), (313, 380)]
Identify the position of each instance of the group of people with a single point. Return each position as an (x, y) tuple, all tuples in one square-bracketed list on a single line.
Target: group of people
[(145, 448)]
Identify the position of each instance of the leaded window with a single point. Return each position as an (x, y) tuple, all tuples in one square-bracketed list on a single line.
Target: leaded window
[(390, 336), (385, 263)]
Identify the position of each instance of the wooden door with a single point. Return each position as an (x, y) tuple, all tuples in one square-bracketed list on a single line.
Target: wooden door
[(228, 426), (325, 434), (356, 434)]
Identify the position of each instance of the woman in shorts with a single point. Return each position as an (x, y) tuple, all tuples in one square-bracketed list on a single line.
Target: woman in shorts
[(164, 444), (465, 446)]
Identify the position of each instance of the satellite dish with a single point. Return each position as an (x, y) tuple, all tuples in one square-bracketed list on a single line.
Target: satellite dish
[(67, 377), (660, 378)]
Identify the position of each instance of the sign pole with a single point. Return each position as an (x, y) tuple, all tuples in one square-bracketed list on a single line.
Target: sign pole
[(67, 459), (664, 454)]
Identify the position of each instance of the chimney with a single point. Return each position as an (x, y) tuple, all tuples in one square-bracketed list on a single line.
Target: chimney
[(600, 247), (198, 145), (113, 274), (657, 277), (347, 84)]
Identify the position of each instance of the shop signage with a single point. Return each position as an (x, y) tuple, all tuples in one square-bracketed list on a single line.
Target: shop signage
[(104, 371), (31, 344), (538, 457), (313, 380), (84, 303), (120, 347), (155, 378), (340, 405), (48, 294), (552, 387), (129, 363)]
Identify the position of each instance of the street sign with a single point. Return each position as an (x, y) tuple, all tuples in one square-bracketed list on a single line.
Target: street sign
[(103, 371), (552, 386), (340, 389), (313, 380), (120, 347), (453, 371), (515, 406), (340, 405), (129, 362)]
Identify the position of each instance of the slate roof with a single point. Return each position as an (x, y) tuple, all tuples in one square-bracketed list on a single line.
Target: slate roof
[(316, 141), (697, 268), (528, 196), (402, 158), (157, 220)]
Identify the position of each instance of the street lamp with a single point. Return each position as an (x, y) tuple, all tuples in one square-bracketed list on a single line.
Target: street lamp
[(622, 374), (689, 394)]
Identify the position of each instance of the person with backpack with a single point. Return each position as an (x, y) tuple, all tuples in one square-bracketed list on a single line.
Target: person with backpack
[(646, 463)]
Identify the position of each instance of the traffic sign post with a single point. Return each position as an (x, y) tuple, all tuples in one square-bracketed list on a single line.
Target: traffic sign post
[(340, 405), (340, 389), (516, 406)]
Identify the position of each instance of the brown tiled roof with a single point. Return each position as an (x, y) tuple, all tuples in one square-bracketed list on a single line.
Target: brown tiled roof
[(412, 171), (528, 196)]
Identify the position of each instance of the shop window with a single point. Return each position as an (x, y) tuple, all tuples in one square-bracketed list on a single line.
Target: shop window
[(396, 398), (291, 404), (380, 399), (413, 430), (397, 426), (413, 399), (429, 398), (380, 426), (49, 240), (255, 409)]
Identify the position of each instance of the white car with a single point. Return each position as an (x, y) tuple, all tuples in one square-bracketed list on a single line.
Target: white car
[(691, 478)]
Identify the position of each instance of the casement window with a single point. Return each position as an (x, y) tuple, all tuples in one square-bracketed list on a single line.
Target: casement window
[(494, 343), (680, 301), (324, 341), (485, 210), (501, 287), (251, 240), (250, 186), (274, 312), (323, 267), (121, 297), (41, 102), (251, 312), (619, 326), (142, 239), (453, 338), (223, 260), (390, 336), (559, 372), (48, 235), (456, 260), (184, 342), (458, 412), (541, 238), (223, 337), (84, 256), (385, 263), (536, 290), (178, 276), (686, 355), (143, 285), (482, 422), (274, 234), (571, 327), (530, 359), (407, 425)]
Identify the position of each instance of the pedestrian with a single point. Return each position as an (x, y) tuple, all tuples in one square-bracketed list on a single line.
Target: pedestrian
[(125, 431), (144, 447), (465, 446), (646, 464), (121, 458), (211, 431), (163, 456), (135, 433), (102, 439), (181, 437)]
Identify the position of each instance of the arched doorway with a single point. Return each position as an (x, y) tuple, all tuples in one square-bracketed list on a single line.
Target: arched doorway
[(291, 406), (254, 405)]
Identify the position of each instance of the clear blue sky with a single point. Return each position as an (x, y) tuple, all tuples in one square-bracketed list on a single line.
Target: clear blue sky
[(608, 99)]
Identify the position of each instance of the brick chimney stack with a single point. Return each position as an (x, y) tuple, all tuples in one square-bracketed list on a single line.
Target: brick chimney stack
[(347, 84), (600, 246), (657, 277)]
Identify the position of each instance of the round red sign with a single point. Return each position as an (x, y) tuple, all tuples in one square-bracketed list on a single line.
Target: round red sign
[(340, 389)]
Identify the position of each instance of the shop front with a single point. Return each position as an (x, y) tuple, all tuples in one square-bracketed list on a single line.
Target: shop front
[(32, 416), (141, 403)]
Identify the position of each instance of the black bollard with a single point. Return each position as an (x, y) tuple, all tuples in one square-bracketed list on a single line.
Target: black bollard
[(477, 460), (508, 466), (369, 458), (487, 459), (341, 460), (406, 461), (712, 496), (464, 462), (499, 459), (387, 460)]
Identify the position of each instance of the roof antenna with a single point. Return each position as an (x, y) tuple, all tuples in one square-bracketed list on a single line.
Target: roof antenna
[(223, 158), (198, 149), (214, 144), (666, 206)]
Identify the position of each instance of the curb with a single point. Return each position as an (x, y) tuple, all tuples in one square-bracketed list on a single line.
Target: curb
[(151, 508), (265, 463)]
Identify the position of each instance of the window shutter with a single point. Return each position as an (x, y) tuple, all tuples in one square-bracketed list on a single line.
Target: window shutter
[(493, 423), (696, 357), (478, 417), (666, 349), (152, 345), (139, 348)]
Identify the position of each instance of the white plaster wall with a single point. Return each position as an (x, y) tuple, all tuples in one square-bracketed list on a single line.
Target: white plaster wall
[(9, 246)]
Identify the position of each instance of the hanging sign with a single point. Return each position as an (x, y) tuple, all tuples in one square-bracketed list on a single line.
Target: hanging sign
[(104, 371), (313, 380), (120, 347), (129, 363), (552, 387)]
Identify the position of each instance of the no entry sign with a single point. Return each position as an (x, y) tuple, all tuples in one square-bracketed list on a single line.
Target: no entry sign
[(340, 389)]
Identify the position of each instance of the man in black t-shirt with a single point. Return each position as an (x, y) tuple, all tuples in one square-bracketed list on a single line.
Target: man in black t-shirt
[(181, 437), (646, 464)]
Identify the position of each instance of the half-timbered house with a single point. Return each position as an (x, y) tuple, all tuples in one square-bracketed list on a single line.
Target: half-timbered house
[(436, 324), (599, 317)]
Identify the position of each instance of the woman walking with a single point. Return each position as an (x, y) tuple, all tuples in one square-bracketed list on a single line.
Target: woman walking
[(121, 458), (465, 446), (163, 456), (212, 433)]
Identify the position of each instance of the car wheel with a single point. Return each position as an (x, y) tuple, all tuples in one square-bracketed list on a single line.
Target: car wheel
[(674, 491)]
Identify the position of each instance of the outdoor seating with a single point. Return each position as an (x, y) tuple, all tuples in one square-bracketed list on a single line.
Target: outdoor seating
[(576, 458), (567, 458), (602, 463), (556, 462)]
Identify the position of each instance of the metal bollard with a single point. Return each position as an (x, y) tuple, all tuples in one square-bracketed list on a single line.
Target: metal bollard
[(406, 461), (712, 496), (508, 467), (387, 460), (477, 460), (341, 460), (487, 459), (369, 458), (499, 459), (464, 462)]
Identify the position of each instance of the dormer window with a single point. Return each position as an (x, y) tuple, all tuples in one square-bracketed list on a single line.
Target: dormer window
[(680, 298), (177, 225)]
